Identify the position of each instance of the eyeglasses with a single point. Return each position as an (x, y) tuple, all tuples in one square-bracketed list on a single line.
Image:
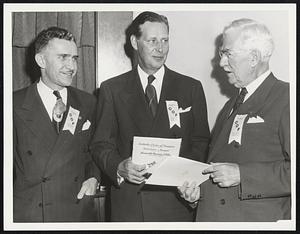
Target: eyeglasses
[(228, 53)]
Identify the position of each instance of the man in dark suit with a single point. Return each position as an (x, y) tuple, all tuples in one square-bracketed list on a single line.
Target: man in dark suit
[(126, 109), (54, 176), (250, 179)]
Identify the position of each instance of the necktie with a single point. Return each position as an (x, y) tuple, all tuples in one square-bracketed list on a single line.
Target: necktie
[(151, 95), (240, 99), (58, 110)]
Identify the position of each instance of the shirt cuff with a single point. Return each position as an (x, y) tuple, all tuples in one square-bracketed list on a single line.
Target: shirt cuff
[(194, 204), (120, 179)]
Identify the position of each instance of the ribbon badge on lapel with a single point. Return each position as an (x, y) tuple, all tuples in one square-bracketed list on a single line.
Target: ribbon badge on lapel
[(173, 113), (71, 120), (237, 129)]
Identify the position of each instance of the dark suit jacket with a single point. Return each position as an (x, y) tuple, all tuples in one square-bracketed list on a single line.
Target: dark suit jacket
[(122, 114), (49, 169), (263, 157)]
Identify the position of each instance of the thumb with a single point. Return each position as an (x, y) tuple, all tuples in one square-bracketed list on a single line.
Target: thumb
[(81, 192)]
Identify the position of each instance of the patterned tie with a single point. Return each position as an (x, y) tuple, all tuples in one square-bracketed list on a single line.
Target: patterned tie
[(239, 100), (151, 95), (58, 110)]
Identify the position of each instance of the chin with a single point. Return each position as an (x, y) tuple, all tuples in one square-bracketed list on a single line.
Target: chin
[(66, 84), (68, 81), (157, 64), (231, 80)]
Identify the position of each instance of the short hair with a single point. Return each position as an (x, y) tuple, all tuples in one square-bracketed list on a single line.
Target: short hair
[(48, 34), (253, 35), (134, 28)]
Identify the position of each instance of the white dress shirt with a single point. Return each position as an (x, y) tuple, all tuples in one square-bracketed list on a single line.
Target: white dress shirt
[(48, 98), (157, 83), (255, 84)]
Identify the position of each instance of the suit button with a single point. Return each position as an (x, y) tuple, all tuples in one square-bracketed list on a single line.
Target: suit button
[(29, 152), (45, 179), (236, 145), (85, 149), (222, 201), (249, 196), (76, 179), (40, 204)]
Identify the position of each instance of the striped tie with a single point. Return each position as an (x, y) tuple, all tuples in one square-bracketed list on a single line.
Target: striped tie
[(239, 100), (151, 95)]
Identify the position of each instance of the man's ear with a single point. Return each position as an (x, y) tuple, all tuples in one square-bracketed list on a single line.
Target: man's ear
[(133, 41), (40, 60), (255, 57)]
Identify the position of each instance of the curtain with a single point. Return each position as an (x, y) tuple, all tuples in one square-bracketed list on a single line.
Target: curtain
[(26, 26)]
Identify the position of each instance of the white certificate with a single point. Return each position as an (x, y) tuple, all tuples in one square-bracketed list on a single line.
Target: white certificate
[(174, 171), (152, 150)]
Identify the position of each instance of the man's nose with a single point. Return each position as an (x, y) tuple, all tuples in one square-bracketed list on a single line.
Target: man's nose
[(159, 46), (70, 64), (223, 61)]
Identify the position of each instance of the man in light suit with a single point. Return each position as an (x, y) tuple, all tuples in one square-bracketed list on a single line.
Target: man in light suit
[(54, 176), (125, 110), (250, 147)]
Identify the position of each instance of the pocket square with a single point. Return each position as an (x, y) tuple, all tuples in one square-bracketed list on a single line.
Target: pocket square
[(256, 119), (86, 125), (184, 110)]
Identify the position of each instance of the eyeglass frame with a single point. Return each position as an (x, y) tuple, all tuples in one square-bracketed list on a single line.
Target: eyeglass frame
[(228, 52)]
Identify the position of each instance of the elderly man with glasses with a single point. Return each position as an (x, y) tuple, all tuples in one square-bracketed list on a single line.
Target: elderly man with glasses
[(250, 148)]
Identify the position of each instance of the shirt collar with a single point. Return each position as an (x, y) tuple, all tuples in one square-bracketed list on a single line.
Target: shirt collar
[(48, 98), (157, 83), (45, 90), (256, 83)]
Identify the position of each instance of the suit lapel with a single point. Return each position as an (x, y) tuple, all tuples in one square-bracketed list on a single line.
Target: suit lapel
[(133, 98), (223, 126), (74, 102), (36, 118), (168, 91), (65, 137), (251, 107), (257, 100)]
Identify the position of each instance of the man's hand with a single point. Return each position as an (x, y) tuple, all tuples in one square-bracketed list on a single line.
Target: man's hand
[(132, 172), (191, 192), (88, 187), (224, 174)]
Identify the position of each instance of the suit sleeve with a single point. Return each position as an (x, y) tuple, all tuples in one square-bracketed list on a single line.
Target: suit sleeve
[(103, 147), (269, 179), (91, 169), (200, 132), (15, 152)]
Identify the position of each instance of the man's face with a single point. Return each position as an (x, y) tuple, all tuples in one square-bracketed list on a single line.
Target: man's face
[(153, 46), (235, 61), (59, 63)]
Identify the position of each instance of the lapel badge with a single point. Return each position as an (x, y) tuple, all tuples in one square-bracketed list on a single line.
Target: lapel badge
[(71, 120)]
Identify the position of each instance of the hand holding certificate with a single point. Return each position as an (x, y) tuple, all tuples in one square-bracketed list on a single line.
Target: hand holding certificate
[(174, 171), (152, 151), (161, 157)]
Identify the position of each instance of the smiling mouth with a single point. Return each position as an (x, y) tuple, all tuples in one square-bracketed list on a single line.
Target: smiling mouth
[(67, 73), (158, 57)]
